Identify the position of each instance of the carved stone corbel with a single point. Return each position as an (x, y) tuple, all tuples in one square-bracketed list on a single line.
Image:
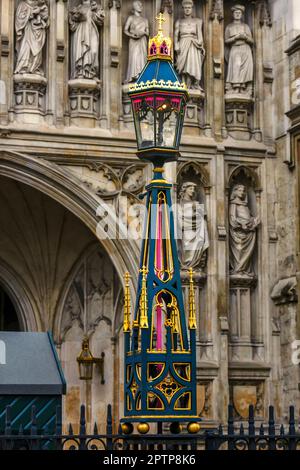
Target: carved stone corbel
[(166, 4), (217, 10)]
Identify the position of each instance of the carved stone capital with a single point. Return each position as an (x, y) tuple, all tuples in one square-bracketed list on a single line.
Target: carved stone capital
[(84, 97), (243, 281), (166, 5), (29, 90), (238, 107), (217, 10)]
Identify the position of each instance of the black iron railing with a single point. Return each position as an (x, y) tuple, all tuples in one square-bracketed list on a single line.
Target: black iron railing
[(245, 436)]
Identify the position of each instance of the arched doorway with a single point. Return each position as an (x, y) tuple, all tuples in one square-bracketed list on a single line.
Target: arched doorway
[(9, 320)]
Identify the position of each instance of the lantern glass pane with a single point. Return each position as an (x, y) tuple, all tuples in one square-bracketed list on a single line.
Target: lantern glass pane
[(86, 370), (167, 115), (144, 121)]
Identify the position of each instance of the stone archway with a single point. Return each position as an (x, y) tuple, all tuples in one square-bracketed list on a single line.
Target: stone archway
[(17, 291), (40, 255), (70, 192)]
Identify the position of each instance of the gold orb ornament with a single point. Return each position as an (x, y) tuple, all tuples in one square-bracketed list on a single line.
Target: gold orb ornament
[(127, 428), (193, 428), (143, 428)]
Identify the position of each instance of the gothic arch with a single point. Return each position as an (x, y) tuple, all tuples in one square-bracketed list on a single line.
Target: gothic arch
[(66, 189), (246, 173), (21, 298), (57, 322), (199, 171)]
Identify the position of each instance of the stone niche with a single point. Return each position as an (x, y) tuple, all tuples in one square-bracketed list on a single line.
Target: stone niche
[(30, 70), (194, 116), (148, 13), (193, 203), (239, 81), (244, 225), (85, 67)]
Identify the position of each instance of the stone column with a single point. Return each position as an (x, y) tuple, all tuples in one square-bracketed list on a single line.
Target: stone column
[(215, 83), (240, 320), (115, 43), (61, 63), (219, 270)]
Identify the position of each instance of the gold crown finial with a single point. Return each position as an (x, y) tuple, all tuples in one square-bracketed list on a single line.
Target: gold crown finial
[(160, 45)]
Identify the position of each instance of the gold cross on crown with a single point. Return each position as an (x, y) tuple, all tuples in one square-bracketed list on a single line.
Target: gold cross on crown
[(161, 20)]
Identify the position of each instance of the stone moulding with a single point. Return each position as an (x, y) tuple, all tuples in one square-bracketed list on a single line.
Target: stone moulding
[(237, 280)]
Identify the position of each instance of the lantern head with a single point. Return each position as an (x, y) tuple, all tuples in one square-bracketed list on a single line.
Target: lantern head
[(158, 101)]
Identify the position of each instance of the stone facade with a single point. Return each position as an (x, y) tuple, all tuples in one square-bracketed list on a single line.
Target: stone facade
[(67, 158)]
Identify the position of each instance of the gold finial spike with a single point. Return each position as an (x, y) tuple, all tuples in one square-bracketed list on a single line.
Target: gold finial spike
[(160, 18), (192, 307), (127, 304), (143, 299)]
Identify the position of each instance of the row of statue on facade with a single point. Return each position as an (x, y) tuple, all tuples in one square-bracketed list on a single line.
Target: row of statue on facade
[(194, 240), (32, 21)]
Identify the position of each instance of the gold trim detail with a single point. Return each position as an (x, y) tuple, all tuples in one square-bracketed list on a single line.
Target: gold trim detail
[(164, 85), (127, 305), (144, 300), (168, 387), (192, 307)]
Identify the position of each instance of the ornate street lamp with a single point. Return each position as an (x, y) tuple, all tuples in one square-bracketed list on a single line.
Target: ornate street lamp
[(160, 348), (86, 362)]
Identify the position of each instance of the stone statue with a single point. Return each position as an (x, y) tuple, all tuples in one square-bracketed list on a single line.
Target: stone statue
[(31, 23), (242, 229), (137, 29), (238, 38), (188, 44), (84, 21), (193, 235)]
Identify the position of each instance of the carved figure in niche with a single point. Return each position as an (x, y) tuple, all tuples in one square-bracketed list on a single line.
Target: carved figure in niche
[(188, 45), (137, 29), (242, 229), (239, 38), (85, 20), (193, 235), (31, 23)]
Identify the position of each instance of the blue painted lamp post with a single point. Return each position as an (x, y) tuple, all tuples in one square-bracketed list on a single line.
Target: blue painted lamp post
[(160, 345)]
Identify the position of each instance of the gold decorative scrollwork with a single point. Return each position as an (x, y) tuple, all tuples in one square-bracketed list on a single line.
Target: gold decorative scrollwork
[(168, 387)]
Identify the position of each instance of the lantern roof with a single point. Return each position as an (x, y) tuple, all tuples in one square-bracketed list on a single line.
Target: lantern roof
[(159, 72)]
